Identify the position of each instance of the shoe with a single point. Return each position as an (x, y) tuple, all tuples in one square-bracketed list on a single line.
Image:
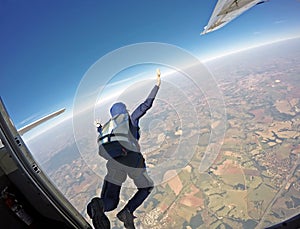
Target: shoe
[(95, 210), (127, 218)]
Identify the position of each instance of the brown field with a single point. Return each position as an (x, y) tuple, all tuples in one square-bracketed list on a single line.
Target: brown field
[(284, 106), (251, 172), (191, 200), (259, 114), (228, 167), (173, 181), (261, 117)]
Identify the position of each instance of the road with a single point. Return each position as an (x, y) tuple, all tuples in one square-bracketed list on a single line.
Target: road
[(259, 225)]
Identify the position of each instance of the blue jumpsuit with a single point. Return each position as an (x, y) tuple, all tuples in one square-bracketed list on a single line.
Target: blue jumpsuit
[(133, 165)]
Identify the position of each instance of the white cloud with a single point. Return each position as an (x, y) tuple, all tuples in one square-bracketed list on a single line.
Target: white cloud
[(279, 21)]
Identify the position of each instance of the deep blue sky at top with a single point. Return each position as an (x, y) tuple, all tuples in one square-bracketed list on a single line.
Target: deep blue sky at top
[(46, 46)]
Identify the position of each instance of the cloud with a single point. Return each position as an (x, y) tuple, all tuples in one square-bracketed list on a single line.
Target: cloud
[(257, 33), (126, 80), (279, 21)]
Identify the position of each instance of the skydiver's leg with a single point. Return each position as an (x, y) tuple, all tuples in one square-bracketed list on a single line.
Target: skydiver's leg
[(142, 181), (111, 187), (110, 195), (136, 170), (145, 185)]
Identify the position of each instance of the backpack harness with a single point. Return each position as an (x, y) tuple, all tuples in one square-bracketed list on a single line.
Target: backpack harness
[(115, 137)]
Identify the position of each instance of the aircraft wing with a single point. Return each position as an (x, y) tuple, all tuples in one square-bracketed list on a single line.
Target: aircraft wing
[(30, 126), (227, 10)]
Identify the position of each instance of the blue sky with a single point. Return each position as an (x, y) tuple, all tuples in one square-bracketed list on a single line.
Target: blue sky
[(46, 46)]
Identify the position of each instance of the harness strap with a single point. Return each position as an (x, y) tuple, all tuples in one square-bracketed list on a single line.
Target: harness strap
[(112, 135)]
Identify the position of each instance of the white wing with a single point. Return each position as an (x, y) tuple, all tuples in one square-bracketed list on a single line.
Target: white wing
[(227, 10), (30, 126)]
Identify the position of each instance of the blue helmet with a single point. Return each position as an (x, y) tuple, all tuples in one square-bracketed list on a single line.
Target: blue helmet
[(118, 108)]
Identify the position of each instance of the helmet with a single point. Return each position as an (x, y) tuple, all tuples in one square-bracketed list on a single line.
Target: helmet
[(118, 108)]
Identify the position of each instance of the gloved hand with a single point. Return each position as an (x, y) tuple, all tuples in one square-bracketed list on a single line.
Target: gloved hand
[(97, 123), (158, 77)]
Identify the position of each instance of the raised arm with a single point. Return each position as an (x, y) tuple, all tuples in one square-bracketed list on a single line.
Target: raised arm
[(147, 104)]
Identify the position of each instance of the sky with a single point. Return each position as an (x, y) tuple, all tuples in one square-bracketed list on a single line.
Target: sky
[(46, 46)]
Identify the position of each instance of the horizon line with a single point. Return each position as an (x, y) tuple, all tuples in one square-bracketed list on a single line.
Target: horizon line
[(248, 48)]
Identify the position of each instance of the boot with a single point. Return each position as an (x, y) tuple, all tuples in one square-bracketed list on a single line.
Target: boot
[(127, 218), (95, 210)]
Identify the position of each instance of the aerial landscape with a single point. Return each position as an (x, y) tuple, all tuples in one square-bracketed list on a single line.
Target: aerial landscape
[(254, 181)]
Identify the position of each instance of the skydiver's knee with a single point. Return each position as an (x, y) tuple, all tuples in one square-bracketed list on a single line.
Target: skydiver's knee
[(111, 204), (147, 190), (151, 187)]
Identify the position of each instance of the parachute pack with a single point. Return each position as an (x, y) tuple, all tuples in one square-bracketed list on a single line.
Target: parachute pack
[(115, 138)]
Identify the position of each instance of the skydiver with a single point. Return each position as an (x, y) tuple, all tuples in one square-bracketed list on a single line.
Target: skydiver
[(118, 143)]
